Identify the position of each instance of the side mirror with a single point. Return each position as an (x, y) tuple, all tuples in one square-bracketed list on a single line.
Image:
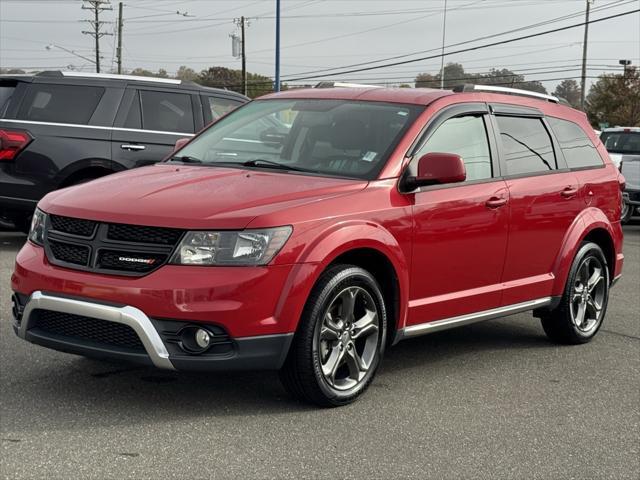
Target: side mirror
[(438, 168), (181, 142)]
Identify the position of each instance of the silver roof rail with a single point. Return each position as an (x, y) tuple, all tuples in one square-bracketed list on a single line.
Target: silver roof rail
[(344, 85), (507, 90), (122, 77)]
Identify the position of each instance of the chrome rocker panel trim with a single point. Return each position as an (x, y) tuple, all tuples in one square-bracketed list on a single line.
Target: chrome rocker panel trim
[(447, 323), (127, 315)]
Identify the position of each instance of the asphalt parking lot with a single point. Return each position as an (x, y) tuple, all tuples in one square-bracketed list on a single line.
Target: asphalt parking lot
[(492, 400)]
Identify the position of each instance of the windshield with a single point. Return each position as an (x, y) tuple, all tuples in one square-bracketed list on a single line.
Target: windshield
[(326, 137), (622, 142)]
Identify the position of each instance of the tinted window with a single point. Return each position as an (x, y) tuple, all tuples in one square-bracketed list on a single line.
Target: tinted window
[(464, 136), (168, 112), (6, 91), (216, 107), (60, 103), (526, 145), (134, 119), (577, 148), (622, 142)]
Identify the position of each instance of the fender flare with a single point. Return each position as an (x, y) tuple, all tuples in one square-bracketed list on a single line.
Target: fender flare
[(324, 249), (589, 220)]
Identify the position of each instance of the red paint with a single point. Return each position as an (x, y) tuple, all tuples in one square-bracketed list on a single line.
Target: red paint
[(456, 248)]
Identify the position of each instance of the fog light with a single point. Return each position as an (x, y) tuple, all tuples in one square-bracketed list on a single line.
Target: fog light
[(195, 340), (202, 338)]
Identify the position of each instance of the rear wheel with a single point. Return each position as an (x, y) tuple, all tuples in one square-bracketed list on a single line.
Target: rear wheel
[(340, 340), (583, 306)]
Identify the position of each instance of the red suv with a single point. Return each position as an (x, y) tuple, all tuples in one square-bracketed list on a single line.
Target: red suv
[(310, 229)]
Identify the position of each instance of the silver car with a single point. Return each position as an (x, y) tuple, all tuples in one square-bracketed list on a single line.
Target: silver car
[(623, 145)]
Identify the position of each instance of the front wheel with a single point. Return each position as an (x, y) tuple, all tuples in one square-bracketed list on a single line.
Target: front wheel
[(340, 340), (627, 211), (581, 311)]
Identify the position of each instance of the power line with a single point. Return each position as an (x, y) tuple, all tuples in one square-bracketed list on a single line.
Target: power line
[(477, 47)]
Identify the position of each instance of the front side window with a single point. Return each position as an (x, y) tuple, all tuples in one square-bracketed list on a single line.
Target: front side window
[(326, 137), (60, 103), (576, 147), (464, 136), (526, 145), (166, 111)]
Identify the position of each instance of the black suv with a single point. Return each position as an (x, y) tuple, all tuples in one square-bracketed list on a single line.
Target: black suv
[(62, 128)]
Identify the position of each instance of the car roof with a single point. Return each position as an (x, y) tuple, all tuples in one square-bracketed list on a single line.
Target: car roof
[(60, 76), (417, 96)]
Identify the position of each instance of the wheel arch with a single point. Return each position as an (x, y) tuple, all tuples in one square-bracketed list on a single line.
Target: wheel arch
[(87, 168), (592, 225), (366, 245)]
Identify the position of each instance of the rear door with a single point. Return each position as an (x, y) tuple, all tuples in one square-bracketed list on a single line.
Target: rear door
[(150, 121), (544, 201), (460, 229)]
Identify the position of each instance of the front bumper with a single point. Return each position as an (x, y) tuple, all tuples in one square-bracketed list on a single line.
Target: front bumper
[(249, 353)]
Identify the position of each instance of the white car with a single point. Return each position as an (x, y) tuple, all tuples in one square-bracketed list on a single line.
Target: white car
[(623, 145)]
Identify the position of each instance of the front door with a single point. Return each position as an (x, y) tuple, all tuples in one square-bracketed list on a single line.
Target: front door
[(460, 230)]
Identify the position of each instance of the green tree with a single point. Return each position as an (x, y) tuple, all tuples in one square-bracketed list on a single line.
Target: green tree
[(615, 99), (222, 77), (186, 73), (570, 91)]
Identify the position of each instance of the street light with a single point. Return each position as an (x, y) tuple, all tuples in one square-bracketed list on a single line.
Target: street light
[(51, 46), (625, 64)]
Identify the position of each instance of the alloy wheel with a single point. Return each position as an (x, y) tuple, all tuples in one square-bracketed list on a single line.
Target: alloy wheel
[(348, 338), (588, 295)]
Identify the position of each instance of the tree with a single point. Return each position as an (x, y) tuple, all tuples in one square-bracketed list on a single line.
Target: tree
[(11, 71), (454, 74), (141, 72), (222, 77), (615, 99), (186, 73), (570, 91)]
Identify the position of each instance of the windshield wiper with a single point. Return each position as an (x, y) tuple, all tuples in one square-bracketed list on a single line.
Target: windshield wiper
[(185, 159), (261, 162)]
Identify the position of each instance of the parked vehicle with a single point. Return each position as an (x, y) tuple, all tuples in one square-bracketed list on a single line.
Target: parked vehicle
[(63, 128), (623, 145), (378, 215)]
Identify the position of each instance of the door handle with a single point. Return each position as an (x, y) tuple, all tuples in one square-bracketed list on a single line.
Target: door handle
[(569, 192), (496, 202), (132, 147)]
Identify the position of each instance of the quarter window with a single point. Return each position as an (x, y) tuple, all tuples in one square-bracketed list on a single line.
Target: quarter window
[(168, 112), (466, 137), (526, 145), (216, 107), (577, 148), (60, 103)]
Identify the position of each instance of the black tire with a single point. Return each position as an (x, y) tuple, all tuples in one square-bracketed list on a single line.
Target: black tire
[(627, 211), (302, 373), (559, 324)]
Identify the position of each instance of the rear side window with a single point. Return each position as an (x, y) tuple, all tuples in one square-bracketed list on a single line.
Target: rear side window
[(167, 112), (526, 145), (60, 103), (577, 148), (6, 91), (216, 107)]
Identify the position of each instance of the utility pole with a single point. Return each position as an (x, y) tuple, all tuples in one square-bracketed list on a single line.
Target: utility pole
[(583, 84), (444, 30), (119, 51), (242, 23), (98, 6), (277, 82)]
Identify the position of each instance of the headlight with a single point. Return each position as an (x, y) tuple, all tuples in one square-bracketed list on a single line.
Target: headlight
[(246, 247), (36, 232)]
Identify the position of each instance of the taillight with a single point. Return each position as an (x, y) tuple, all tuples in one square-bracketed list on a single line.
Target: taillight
[(12, 142)]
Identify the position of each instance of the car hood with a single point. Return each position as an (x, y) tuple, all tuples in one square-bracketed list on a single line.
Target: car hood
[(192, 196)]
